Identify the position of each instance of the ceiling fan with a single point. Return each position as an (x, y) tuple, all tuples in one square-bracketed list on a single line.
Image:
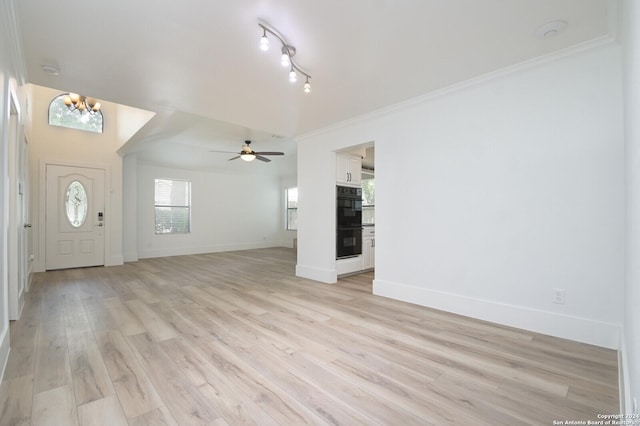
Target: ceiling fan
[(248, 154)]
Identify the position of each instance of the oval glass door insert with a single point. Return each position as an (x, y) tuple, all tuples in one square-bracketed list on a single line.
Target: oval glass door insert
[(76, 204)]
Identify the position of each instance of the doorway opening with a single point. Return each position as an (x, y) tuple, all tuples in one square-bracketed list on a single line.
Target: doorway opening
[(358, 272)]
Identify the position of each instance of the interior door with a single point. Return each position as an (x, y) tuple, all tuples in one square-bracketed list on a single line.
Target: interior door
[(14, 256), (24, 222), (75, 222)]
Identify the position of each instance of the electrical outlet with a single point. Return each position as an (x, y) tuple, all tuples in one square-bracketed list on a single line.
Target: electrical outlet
[(558, 296)]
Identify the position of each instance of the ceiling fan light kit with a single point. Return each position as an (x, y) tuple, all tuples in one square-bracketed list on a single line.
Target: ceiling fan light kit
[(288, 52), (248, 154)]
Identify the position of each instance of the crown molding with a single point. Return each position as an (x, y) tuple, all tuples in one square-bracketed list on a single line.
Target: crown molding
[(12, 28), (593, 44), (615, 19)]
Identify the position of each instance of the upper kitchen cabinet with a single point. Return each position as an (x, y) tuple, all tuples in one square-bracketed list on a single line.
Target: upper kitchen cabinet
[(348, 169)]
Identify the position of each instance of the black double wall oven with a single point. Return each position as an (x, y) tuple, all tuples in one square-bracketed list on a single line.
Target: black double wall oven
[(348, 222)]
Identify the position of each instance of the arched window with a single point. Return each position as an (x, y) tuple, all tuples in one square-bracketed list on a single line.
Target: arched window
[(61, 115)]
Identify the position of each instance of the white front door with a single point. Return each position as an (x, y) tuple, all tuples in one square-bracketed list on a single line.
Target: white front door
[(75, 222)]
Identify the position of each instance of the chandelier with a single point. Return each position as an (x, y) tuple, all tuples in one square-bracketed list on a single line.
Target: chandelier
[(80, 103), (288, 52)]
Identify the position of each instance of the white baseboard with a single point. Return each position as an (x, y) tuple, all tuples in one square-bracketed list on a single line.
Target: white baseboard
[(624, 389), (4, 351), (29, 277), (21, 305), (131, 257), (181, 251), (550, 323), (328, 276), (115, 261)]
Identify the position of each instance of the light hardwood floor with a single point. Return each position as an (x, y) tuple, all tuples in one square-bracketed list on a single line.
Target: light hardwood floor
[(235, 338)]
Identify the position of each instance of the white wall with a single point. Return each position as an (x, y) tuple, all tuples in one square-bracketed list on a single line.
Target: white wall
[(75, 147), (631, 339), (130, 120), (12, 77), (489, 195), (229, 212), (130, 207)]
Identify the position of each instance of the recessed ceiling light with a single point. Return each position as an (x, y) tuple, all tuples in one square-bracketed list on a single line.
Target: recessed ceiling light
[(50, 69), (550, 29)]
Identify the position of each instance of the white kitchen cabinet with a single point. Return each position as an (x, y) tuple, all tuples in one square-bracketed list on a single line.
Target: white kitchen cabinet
[(349, 266), (368, 248), (348, 169)]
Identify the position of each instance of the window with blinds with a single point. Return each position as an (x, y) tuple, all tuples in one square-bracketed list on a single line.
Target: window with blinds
[(173, 206)]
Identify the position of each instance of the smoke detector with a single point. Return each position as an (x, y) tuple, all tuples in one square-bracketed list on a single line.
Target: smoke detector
[(50, 69), (550, 29)]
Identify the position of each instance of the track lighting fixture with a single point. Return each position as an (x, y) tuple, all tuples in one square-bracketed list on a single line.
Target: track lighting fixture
[(288, 52)]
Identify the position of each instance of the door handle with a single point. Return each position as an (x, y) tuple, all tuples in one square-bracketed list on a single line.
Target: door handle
[(101, 224), (27, 225)]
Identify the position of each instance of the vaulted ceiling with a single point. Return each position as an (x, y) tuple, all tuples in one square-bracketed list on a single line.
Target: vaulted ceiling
[(200, 59)]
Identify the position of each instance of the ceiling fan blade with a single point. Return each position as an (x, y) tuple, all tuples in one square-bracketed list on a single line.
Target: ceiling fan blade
[(269, 153), (226, 152), (261, 158), (236, 157)]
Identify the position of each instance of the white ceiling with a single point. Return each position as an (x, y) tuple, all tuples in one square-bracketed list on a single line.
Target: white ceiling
[(201, 58)]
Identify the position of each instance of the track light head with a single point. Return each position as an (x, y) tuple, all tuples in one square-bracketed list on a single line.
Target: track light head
[(285, 59), (264, 41)]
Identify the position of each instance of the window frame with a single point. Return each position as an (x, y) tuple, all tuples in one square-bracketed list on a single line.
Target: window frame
[(60, 98), (368, 209), (156, 205), (288, 209)]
